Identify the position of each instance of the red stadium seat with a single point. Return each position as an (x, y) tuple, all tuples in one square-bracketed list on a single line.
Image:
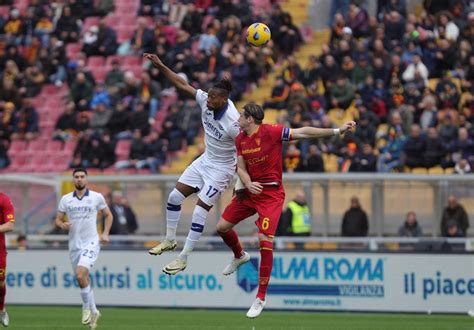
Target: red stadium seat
[(100, 73), (126, 9), (72, 49), (35, 147), (95, 61), (70, 146), (131, 60), (4, 11), (136, 69), (125, 33), (110, 59), (90, 21), (126, 20), (17, 147)]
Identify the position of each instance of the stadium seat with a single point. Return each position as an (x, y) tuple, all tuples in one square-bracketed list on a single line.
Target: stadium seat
[(436, 170), (69, 146), (35, 147), (131, 60), (90, 21), (17, 147), (72, 49), (449, 170), (95, 61), (125, 9), (4, 11), (124, 33), (100, 73), (136, 69), (110, 59), (419, 170), (125, 20)]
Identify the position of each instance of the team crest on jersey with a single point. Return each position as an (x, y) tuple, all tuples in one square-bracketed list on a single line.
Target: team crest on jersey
[(258, 140)]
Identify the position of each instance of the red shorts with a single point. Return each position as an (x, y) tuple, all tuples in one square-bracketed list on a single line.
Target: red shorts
[(268, 204)]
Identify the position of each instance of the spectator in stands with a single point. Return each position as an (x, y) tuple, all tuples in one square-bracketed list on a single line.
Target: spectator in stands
[(463, 147), (292, 159), (33, 81), (139, 120), (448, 132), (102, 153), (416, 72), (358, 20), (104, 7), (67, 28), (453, 230), (90, 41), (13, 26), (138, 153), (361, 71), (148, 92), (239, 75), (389, 158), (81, 153), (22, 242), (100, 118), (172, 128), (410, 228), (191, 121), (66, 125), (287, 35), (342, 93), (414, 148), (81, 92), (364, 160), (143, 40), (114, 77), (296, 219), (106, 40), (119, 122), (454, 213), (355, 221), (157, 148), (125, 220), (26, 122), (7, 120), (365, 133), (435, 151), (4, 159), (312, 161), (462, 167)]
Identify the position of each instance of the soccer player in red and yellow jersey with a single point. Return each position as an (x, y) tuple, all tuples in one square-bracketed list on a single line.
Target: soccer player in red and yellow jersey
[(7, 220), (259, 161)]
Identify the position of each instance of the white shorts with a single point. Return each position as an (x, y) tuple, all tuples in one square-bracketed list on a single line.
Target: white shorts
[(210, 180), (85, 257)]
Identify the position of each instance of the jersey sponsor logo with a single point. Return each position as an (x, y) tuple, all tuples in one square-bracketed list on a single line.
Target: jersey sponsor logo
[(253, 161), (250, 151), (9, 216), (257, 141), (211, 129), (80, 209)]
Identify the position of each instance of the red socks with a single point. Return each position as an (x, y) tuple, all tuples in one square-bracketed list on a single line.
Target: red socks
[(232, 240), (3, 292), (266, 263)]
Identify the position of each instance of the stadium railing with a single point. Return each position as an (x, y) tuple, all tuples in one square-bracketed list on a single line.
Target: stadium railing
[(385, 197)]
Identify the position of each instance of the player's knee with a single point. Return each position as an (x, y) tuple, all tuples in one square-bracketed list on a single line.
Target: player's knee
[(175, 198), (2, 284), (81, 278), (222, 228)]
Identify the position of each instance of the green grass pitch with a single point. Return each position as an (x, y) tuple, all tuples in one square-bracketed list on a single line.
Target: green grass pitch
[(35, 317)]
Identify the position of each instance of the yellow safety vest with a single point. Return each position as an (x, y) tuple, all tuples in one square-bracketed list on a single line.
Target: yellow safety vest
[(301, 220)]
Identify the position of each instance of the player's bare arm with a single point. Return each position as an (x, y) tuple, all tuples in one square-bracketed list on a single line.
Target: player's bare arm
[(174, 78), (308, 132), (6, 227), (108, 219), (59, 221), (253, 187)]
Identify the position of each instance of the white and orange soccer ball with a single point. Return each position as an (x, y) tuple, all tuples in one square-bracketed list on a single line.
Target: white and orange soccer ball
[(258, 34)]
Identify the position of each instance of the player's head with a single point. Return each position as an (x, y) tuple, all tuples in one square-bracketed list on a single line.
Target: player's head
[(79, 177), (219, 95), (252, 114)]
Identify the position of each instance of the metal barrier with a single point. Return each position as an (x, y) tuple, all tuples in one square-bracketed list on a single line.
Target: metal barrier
[(385, 197)]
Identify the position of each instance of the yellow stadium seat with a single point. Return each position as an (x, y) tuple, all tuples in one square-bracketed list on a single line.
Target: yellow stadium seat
[(432, 83), (449, 170), (329, 246), (392, 246), (419, 170), (312, 246), (436, 170), (330, 163), (290, 246)]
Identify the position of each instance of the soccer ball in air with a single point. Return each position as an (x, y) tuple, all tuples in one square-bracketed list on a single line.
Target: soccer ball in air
[(258, 34)]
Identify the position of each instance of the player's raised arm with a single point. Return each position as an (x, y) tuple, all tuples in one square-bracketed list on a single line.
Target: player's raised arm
[(109, 218), (174, 78), (59, 221), (308, 132), (253, 187)]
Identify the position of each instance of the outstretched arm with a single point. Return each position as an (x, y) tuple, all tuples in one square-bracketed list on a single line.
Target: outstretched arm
[(308, 132), (174, 78)]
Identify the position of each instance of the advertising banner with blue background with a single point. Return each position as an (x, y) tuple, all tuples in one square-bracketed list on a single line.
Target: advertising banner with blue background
[(319, 281)]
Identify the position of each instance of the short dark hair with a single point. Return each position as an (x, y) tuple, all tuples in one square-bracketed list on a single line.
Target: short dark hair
[(255, 111), (224, 85), (79, 169)]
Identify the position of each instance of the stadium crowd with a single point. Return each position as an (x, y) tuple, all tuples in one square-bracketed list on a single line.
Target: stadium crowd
[(200, 39), (406, 79)]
